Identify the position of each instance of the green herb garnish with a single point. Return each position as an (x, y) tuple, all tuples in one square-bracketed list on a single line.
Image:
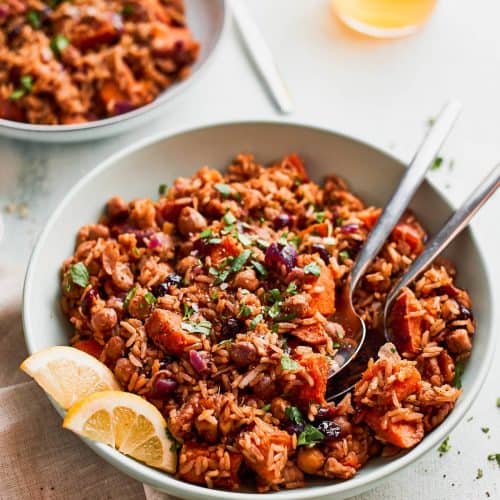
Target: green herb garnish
[(162, 188), (256, 320), (58, 43), (33, 17), (494, 456), (294, 415), (204, 327), (291, 288), (479, 474), (459, 371), (128, 10), (149, 298), (129, 296), (438, 161), (287, 363), (79, 274), (223, 189), (243, 239), (267, 407), (274, 310), (343, 256), (274, 295), (188, 310), (485, 429), (319, 217), (312, 268), (498, 402), (244, 311), (445, 446), (261, 270), (240, 261), (310, 436), (229, 219), (26, 86)]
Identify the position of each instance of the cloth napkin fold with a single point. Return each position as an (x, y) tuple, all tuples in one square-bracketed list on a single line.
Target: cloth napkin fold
[(39, 459)]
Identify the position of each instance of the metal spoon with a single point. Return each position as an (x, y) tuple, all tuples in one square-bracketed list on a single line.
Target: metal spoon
[(455, 224), (354, 326)]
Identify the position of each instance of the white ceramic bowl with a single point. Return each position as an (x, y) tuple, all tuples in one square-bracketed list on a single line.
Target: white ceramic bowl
[(206, 19), (137, 172)]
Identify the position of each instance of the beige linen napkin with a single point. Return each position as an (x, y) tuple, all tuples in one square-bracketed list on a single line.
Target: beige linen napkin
[(39, 459)]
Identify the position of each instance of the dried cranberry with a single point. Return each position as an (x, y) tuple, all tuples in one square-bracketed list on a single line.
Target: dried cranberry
[(164, 386), (14, 32), (349, 228), (293, 428), (465, 312), (89, 299), (281, 221), (323, 253), (165, 362), (278, 255), (122, 107), (163, 288), (330, 429), (231, 327)]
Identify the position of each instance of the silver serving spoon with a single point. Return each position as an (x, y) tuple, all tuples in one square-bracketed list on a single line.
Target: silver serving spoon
[(455, 224), (354, 326)]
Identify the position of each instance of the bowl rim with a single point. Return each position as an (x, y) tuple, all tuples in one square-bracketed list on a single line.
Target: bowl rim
[(165, 96), (172, 485)]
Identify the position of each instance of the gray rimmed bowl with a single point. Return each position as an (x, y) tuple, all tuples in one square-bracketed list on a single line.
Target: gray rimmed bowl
[(206, 19), (138, 170)]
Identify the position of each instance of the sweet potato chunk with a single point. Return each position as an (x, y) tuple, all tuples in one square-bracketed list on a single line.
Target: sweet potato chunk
[(320, 229), (318, 368), (229, 247), (406, 329), (310, 334), (165, 329), (89, 346), (324, 301), (410, 235), (404, 434)]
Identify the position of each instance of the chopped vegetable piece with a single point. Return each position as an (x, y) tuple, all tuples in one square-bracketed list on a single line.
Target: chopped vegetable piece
[(287, 363), (240, 261), (17, 94), (494, 456), (319, 216), (479, 474), (229, 219), (312, 268), (267, 407), (259, 268), (79, 274), (150, 298), (162, 188), (445, 446), (245, 311), (128, 10), (485, 429), (292, 288), (438, 161), (204, 327), (33, 17), (223, 189), (129, 296), (459, 370), (294, 415), (243, 239), (256, 320), (58, 43), (343, 256)]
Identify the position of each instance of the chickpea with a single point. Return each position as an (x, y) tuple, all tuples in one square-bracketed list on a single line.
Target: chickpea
[(124, 370), (104, 319), (122, 276), (243, 353), (247, 279), (191, 221), (115, 348), (310, 460), (278, 408), (117, 208)]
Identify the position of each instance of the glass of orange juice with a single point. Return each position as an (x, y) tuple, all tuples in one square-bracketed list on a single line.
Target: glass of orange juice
[(384, 18)]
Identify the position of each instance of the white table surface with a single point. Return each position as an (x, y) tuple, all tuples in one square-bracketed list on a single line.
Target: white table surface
[(380, 91)]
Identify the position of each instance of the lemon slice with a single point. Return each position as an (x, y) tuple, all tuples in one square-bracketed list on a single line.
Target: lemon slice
[(128, 423), (68, 374)]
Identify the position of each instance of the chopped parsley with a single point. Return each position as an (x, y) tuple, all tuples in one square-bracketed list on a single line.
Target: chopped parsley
[(149, 298), (206, 233), (162, 188), (445, 446), (438, 161), (479, 474), (245, 311), (223, 189), (494, 456), (33, 17), (240, 261), (291, 288), (338, 221), (229, 219), (58, 43), (294, 415), (267, 407), (287, 363), (129, 296), (256, 321), (214, 295), (275, 310), (310, 436), (274, 295), (261, 270), (175, 445), (188, 310), (319, 217), (459, 370), (485, 429), (204, 327), (26, 82), (295, 240), (243, 239), (343, 256), (79, 274), (498, 402), (312, 268)]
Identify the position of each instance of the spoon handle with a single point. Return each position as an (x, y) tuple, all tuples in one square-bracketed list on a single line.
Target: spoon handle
[(411, 180), (455, 224)]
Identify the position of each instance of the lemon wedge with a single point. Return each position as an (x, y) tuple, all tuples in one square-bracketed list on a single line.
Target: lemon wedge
[(128, 423), (68, 374)]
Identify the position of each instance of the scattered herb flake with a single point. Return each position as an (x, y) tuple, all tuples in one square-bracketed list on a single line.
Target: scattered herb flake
[(129, 296), (295, 240), (204, 327), (479, 474), (274, 295), (58, 43), (292, 288), (240, 261), (287, 363), (206, 233), (79, 274), (338, 221), (438, 161), (498, 402), (149, 298), (223, 189), (274, 310), (188, 310), (33, 17), (245, 311), (259, 268), (243, 239), (430, 121), (229, 219), (214, 295), (294, 415), (343, 256), (470, 419), (312, 268), (445, 446), (256, 320), (267, 407), (128, 10), (459, 370), (17, 94), (162, 188), (319, 217), (310, 436), (494, 456), (485, 429)]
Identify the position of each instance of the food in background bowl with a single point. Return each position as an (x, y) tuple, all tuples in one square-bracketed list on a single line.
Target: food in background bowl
[(215, 303), (79, 61)]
